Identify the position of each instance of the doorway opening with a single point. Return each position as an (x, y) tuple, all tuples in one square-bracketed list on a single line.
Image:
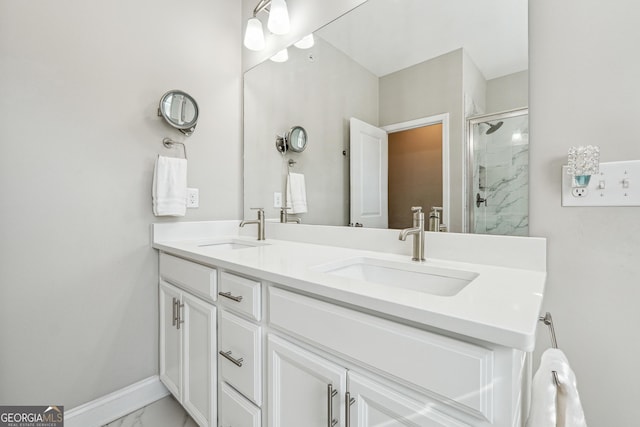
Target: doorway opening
[(415, 172)]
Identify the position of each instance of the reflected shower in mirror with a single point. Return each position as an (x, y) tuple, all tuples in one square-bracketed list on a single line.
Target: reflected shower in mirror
[(385, 63)]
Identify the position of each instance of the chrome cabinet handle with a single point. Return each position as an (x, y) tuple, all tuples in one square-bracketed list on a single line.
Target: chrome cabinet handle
[(330, 395), (179, 318), (174, 317), (348, 401), (227, 355), (231, 297)]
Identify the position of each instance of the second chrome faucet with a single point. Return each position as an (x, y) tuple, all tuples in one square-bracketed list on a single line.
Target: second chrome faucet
[(418, 233)]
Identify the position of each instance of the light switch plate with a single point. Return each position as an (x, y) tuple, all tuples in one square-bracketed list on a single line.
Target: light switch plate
[(617, 184)]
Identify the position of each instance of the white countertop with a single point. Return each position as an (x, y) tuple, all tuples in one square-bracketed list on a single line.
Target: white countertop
[(500, 306)]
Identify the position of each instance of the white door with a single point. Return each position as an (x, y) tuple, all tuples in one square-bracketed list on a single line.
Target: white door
[(375, 405), (299, 392), (170, 340), (369, 164), (199, 330)]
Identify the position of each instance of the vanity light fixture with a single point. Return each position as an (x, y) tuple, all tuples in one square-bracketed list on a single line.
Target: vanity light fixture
[(305, 43), (583, 162), (281, 56), (254, 35), (278, 23), (278, 17)]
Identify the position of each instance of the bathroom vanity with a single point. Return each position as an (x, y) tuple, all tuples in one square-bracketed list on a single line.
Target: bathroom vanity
[(286, 333)]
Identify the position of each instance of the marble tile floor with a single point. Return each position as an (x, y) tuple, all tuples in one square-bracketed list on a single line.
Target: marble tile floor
[(166, 412)]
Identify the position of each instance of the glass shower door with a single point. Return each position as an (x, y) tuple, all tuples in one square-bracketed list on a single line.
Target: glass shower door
[(498, 196)]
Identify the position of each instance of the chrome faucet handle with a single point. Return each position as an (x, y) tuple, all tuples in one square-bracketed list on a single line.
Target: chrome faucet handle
[(257, 209), (416, 209)]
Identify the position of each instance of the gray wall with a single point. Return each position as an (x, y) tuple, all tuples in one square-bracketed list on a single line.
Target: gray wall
[(80, 83), (427, 89), (584, 70), (508, 92), (320, 95)]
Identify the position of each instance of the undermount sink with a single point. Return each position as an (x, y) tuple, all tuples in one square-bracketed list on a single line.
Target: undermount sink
[(232, 244), (421, 278)]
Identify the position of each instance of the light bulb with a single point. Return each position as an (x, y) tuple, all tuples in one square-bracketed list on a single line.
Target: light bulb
[(305, 43), (278, 17), (281, 56), (254, 36)]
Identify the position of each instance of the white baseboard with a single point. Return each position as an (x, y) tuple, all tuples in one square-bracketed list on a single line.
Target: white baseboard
[(115, 405)]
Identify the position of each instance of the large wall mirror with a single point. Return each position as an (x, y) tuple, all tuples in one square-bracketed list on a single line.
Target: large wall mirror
[(419, 71)]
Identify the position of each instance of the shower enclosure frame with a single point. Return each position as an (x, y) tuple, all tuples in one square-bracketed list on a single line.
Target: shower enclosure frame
[(469, 198)]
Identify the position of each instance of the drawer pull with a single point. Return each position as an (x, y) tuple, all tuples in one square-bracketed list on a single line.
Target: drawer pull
[(348, 401), (231, 297), (227, 355), (330, 395)]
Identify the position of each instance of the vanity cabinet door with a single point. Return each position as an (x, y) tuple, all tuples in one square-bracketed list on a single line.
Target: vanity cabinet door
[(299, 393), (376, 405), (187, 352), (170, 340), (199, 393)]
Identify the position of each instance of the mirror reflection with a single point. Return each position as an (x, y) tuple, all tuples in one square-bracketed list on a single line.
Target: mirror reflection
[(396, 66)]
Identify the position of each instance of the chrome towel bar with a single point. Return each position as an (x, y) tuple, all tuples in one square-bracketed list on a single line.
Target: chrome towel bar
[(548, 320)]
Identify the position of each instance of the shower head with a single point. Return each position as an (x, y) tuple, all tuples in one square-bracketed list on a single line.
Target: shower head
[(492, 127)]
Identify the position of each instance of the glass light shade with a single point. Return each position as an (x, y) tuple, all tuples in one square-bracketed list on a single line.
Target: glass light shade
[(278, 17), (305, 43), (254, 35), (281, 56)]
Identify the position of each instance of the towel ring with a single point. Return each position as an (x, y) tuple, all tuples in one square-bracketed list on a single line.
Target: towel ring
[(169, 143)]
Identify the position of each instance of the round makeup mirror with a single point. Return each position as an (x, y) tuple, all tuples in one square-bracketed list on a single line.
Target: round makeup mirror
[(180, 111), (296, 139)]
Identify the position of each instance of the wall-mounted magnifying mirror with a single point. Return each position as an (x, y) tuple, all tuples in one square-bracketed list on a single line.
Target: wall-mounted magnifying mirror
[(180, 111), (295, 140)]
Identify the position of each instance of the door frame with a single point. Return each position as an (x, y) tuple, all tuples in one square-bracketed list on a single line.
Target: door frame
[(428, 121), (467, 181)]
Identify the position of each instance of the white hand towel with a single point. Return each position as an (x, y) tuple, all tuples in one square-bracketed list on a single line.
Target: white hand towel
[(170, 186), (296, 193), (553, 406)]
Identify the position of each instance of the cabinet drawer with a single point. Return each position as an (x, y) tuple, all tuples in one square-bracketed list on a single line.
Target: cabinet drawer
[(195, 278), (456, 370), (240, 294), (240, 355), (235, 410)]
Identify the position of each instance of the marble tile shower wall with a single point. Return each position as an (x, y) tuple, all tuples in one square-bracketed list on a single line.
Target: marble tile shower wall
[(506, 181)]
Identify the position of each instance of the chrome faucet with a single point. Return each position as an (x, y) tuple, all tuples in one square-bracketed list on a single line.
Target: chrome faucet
[(259, 221), (285, 219), (418, 233)]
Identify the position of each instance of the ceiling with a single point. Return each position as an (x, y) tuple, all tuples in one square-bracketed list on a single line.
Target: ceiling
[(385, 36)]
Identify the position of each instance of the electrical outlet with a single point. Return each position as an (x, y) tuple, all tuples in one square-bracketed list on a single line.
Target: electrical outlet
[(579, 192), (193, 198), (277, 200)]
